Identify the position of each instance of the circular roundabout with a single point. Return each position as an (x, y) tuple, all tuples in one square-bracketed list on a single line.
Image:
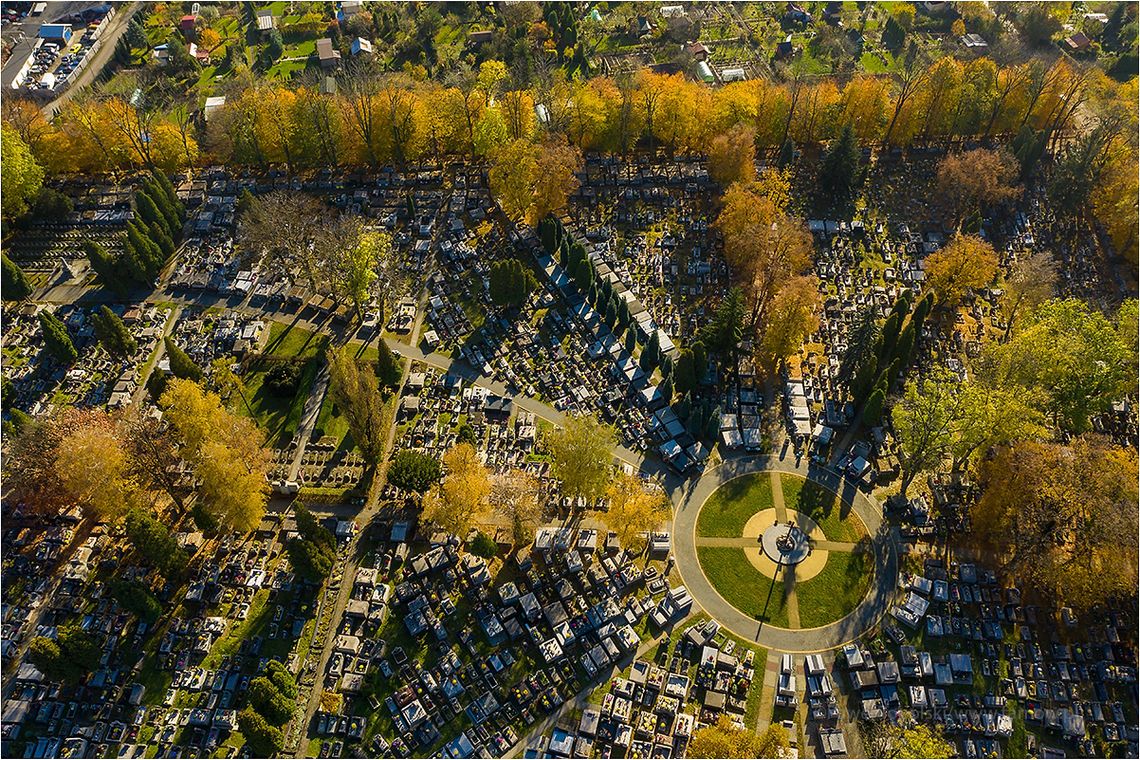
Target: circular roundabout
[(781, 558)]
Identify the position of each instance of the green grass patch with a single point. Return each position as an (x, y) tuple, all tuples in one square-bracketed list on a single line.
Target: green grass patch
[(873, 64), (331, 422), (728, 510), (836, 590), (822, 505), (277, 415), (154, 681), (742, 585), (289, 342)]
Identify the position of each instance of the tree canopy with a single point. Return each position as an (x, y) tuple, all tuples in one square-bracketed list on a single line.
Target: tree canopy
[(581, 455), (1056, 514)]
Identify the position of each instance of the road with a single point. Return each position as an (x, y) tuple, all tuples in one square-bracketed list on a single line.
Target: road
[(108, 40)]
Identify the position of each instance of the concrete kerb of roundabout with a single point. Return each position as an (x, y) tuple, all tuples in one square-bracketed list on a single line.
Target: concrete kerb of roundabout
[(687, 504)]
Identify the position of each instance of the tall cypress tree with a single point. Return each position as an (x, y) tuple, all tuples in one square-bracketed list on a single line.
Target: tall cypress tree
[(113, 334), (148, 252), (161, 238), (181, 365), (133, 264), (149, 211), (171, 196), (57, 341), (154, 194), (650, 353), (839, 172), (14, 285)]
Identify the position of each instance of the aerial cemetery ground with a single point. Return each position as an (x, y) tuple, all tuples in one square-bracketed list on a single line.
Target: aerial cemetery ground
[(574, 380)]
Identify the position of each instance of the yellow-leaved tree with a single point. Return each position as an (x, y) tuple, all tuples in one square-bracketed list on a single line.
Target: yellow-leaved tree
[(966, 262), (515, 498), (459, 501), (225, 451), (635, 508), (93, 466)]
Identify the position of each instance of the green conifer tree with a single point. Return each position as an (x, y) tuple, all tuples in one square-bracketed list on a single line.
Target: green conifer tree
[(57, 341), (14, 283)]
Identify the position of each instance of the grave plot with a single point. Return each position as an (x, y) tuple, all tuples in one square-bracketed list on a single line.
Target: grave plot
[(40, 384), (403, 204), (100, 214), (651, 709), (474, 652), (651, 224), (440, 410)]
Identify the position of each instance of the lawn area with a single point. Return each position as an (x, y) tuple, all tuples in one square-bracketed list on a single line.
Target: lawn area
[(727, 511), (277, 415), (742, 585), (836, 591), (331, 422), (820, 504), (284, 70), (289, 342)]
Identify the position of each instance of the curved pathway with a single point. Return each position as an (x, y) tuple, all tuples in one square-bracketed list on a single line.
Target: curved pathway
[(688, 501)]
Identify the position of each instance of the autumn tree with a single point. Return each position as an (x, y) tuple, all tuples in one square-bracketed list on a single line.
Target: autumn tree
[(22, 176), (581, 455), (924, 421), (764, 246), (351, 260), (1030, 283), (356, 391), (732, 155), (30, 473), (92, 464), (1077, 359), (793, 316), (286, 228), (724, 739), (966, 262), (972, 180), (225, 451), (530, 181), (907, 739), (992, 415), (154, 455), (774, 741), (515, 498), (1058, 515), (634, 508), (460, 500)]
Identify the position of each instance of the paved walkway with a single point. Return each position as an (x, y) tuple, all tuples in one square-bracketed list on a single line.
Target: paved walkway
[(689, 498), (309, 419)]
